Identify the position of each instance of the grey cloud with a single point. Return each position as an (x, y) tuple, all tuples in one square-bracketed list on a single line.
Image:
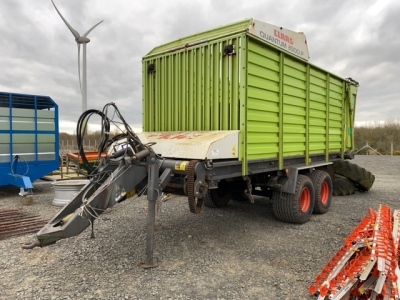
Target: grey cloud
[(38, 54)]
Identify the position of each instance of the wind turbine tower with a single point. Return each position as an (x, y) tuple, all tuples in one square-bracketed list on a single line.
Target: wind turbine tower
[(80, 40)]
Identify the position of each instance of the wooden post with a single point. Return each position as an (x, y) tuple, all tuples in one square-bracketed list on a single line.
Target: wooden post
[(391, 148)]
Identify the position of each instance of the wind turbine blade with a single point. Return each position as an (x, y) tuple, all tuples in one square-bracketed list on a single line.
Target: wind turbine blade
[(73, 31), (79, 65), (87, 32)]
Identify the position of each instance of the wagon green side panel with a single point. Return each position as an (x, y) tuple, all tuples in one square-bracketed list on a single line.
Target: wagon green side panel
[(294, 107), (277, 107), (336, 111), (263, 102), (318, 112)]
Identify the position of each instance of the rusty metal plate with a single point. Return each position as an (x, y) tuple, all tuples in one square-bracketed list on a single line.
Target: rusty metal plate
[(15, 222)]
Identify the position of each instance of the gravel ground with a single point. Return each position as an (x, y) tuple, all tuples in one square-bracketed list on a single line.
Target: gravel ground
[(237, 252)]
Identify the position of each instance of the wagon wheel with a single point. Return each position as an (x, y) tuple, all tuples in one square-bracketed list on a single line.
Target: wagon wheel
[(297, 207), (323, 191), (217, 198)]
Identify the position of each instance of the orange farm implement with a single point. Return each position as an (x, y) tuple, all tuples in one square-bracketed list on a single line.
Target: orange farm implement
[(366, 267)]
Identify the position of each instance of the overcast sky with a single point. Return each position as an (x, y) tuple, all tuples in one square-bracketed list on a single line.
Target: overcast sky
[(38, 54)]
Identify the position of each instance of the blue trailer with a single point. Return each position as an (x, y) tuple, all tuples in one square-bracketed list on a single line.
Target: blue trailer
[(29, 138)]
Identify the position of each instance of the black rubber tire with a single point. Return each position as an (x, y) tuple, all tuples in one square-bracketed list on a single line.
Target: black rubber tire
[(343, 186), (362, 178), (288, 207), (323, 191), (217, 198)]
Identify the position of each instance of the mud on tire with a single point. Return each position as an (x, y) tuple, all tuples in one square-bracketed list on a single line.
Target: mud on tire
[(297, 207), (343, 186), (362, 178)]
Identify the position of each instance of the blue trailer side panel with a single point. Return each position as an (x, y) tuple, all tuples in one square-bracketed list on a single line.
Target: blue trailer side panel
[(29, 138)]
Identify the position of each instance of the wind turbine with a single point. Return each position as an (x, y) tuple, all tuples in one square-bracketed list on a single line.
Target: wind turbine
[(80, 40)]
